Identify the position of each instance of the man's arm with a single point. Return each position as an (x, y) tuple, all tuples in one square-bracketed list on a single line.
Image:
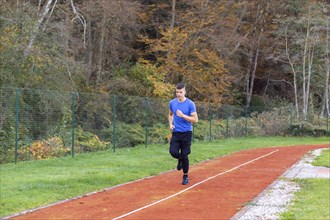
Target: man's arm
[(193, 118), (170, 120)]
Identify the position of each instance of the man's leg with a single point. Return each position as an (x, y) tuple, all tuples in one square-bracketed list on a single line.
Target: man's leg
[(175, 146), (185, 159), (185, 151)]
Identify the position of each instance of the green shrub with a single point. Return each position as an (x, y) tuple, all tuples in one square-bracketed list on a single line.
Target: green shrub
[(88, 142), (4, 147), (159, 134), (43, 149), (302, 129), (129, 135), (202, 130), (275, 122)]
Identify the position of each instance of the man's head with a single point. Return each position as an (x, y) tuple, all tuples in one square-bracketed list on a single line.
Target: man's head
[(180, 92), (180, 86)]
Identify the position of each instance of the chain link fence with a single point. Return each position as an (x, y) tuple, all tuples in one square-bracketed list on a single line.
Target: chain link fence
[(38, 124)]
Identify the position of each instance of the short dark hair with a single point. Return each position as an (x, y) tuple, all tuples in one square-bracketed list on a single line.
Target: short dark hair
[(180, 86)]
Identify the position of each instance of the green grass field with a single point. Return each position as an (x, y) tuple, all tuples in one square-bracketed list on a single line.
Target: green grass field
[(30, 184), (323, 160), (313, 200)]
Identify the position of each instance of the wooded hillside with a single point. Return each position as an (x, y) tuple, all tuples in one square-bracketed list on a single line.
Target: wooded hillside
[(247, 52)]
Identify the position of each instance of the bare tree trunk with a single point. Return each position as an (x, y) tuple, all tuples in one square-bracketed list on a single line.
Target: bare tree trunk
[(309, 76), (81, 18), (254, 62), (305, 95), (39, 23), (238, 27), (325, 105), (173, 4), (172, 23), (48, 10), (247, 81), (250, 83), (173, 14), (327, 91), (307, 63), (327, 82), (101, 46), (39, 5), (90, 53), (308, 56), (294, 75)]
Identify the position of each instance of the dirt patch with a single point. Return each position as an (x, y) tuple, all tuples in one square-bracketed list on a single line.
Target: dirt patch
[(217, 190)]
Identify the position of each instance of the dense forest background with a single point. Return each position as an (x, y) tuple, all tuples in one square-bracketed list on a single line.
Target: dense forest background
[(238, 52)]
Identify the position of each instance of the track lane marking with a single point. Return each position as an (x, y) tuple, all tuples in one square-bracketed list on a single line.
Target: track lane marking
[(193, 186)]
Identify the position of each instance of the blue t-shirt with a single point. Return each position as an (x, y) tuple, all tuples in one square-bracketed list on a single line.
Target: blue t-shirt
[(187, 107)]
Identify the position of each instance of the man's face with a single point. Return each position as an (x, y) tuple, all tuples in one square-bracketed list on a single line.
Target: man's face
[(180, 94)]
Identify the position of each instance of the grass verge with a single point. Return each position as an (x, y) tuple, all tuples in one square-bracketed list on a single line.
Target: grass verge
[(311, 202), (323, 160), (31, 184)]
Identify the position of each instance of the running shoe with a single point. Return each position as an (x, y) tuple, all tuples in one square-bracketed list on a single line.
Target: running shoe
[(185, 180)]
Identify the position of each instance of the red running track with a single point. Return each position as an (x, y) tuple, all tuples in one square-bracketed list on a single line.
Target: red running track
[(218, 189)]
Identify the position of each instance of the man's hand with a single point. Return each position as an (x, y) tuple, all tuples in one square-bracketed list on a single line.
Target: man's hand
[(179, 113), (172, 127), (193, 118)]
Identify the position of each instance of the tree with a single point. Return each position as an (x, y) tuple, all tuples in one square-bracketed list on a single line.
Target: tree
[(44, 16), (34, 57), (326, 69), (303, 49), (254, 42), (185, 53), (112, 31), (256, 32)]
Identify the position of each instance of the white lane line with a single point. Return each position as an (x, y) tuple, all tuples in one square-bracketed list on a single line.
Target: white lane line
[(193, 186)]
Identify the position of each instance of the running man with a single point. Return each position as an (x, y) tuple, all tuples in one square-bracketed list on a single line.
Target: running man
[(182, 113)]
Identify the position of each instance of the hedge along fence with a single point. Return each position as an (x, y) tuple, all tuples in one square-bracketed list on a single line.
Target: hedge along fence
[(36, 124)]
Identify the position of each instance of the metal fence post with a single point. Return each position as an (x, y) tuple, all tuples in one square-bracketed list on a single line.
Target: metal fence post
[(291, 119), (328, 123), (246, 123), (114, 124), (227, 124), (211, 117), (147, 108), (72, 125), (16, 124)]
